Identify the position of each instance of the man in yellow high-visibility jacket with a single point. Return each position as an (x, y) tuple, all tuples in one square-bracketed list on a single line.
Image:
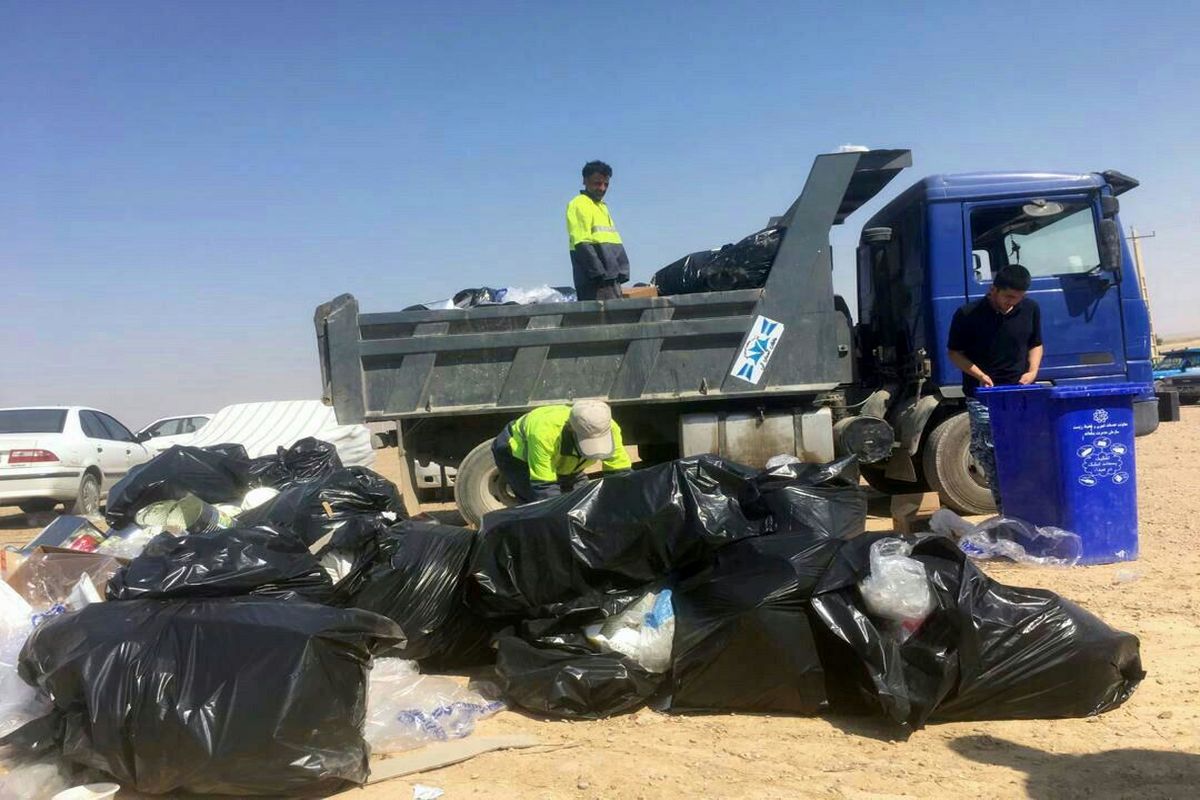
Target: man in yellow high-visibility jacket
[(598, 260), (547, 450)]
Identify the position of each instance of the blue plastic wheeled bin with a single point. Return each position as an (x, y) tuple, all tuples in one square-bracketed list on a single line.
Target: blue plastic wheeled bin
[(1065, 457)]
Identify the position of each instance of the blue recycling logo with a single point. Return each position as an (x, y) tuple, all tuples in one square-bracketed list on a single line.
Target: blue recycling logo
[(757, 349), (1103, 459)]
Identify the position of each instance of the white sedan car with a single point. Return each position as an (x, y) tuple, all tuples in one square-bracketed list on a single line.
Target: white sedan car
[(170, 431), (66, 454)]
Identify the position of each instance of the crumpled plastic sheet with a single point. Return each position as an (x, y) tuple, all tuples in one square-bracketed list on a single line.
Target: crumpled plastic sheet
[(406, 709), (1010, 538)]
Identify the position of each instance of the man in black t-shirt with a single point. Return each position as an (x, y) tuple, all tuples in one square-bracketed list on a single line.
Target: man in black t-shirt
[(996, 341)]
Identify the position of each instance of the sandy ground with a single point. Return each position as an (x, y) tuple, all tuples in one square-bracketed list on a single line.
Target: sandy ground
[(1149, 748)]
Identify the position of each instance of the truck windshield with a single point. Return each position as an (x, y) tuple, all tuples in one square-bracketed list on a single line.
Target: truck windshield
[(32, 420), (1046, 237)]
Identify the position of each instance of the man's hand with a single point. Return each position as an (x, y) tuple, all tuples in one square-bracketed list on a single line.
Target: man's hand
[(986, 380), (1027, 378)]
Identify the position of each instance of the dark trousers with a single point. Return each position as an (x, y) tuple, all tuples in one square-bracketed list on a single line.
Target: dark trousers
[(588, 289), (514, 470)]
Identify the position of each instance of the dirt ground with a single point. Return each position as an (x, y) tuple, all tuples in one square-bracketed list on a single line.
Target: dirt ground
[(1149, 748)]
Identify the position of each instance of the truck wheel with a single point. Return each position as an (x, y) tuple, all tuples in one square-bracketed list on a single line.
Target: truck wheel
[(952, 472), (479, 487), (87, 502)]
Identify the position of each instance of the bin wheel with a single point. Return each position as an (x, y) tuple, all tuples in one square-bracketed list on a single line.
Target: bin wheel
[(479, 487), (952, 472)]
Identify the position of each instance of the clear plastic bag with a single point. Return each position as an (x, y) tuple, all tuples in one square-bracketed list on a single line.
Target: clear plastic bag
[(19, 702), (897, 587), (1011, 538), (644, 631), (406, 709)]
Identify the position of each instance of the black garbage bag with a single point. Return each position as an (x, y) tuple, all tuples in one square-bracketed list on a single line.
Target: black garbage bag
[(570, 683), (743, 634), (215, 476), (418, 582), (610, 536), (744, 265), (311, 509), (242, 696), (987, 651), (823, 498), (307, 460), (355, 549), (226, 563)]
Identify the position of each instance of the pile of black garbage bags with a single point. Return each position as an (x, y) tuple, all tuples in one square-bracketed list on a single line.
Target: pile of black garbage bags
[(745, 264), (236, 661)]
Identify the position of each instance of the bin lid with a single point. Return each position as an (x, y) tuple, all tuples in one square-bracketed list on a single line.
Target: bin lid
[(1013, 389), (1099, 390)]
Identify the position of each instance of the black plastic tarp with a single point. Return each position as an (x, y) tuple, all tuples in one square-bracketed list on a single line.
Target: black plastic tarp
[(744, 265), (743, 637), (215, 476), (313, 508), (245, 696), (610, 536), (225, 563), (417, 580)]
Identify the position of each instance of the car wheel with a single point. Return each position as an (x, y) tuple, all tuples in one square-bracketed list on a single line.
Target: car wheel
[(87, 502), (479, 487), (952, 472)]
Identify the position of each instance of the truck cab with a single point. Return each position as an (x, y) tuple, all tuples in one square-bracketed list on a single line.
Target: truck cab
[(937, 246)]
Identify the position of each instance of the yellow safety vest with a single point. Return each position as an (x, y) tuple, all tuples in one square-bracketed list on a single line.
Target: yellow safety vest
[(537, 439), (596, 247)]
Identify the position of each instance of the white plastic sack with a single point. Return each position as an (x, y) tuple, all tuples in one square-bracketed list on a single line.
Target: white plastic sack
[(406, 709), (644, 632), (537, 294), (897, 588), (19, 702)]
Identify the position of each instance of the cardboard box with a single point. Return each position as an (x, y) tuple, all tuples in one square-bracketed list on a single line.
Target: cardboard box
[(48, 574), (639, 291)]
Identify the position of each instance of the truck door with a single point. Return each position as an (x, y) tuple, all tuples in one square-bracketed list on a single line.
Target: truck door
[(1057, 240)]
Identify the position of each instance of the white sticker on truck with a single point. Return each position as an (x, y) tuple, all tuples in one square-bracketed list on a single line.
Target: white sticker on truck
[(757, 349)]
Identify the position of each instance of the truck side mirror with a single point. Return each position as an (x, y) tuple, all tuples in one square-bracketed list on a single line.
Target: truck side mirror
[(1109, 206), (1110, 247)]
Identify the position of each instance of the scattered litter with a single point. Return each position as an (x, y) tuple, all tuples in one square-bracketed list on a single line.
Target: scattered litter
[(68, 532), (1126, 576), (1013, 539), (47, 577), (644, 632), (189, 514), (406, 709), (423, 792)]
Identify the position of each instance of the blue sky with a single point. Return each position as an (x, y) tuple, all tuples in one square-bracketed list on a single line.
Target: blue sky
[(184, 182)]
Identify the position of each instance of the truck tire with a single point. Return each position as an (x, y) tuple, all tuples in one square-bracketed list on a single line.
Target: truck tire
[(479, 487), (951, 471)]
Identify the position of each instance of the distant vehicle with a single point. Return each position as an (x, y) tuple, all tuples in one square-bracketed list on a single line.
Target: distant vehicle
[(170, 431), (65, 454), (1180, 370)]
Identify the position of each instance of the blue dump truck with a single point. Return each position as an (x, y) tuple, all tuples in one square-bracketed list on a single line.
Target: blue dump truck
[(778, 369)]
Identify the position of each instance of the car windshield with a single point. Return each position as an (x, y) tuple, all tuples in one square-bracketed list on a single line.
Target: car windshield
[(33, 420), (1174, 362)]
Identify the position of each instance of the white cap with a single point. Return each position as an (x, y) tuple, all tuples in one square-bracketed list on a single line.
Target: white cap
[(591, 420)]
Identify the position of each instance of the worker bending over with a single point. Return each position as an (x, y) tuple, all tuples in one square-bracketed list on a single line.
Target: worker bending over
[(547, 450), (996, 341), (598, 261)]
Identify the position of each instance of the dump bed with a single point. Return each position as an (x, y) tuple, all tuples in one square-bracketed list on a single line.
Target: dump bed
[(787, 337)]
